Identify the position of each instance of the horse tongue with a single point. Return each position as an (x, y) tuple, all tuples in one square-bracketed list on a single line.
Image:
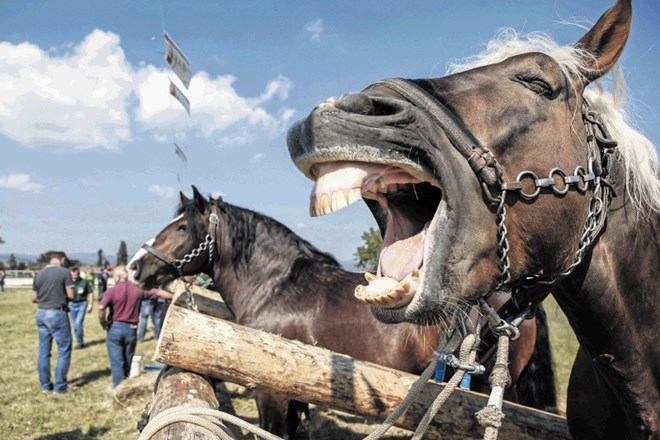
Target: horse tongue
[(402, 257)]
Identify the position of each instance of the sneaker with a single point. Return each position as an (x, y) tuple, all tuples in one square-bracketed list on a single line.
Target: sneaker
[(46, 391), (80, 345)]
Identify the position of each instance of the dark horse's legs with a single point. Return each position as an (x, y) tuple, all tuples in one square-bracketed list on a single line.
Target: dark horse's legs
[(279, 415), (536, 385)]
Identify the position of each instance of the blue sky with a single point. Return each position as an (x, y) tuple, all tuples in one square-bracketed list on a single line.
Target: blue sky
[(87, 127)]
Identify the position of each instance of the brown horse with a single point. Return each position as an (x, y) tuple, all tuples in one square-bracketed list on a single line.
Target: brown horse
[(275, 281), (505, 175)]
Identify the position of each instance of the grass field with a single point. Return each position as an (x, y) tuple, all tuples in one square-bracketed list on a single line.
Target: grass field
[(94, 411)]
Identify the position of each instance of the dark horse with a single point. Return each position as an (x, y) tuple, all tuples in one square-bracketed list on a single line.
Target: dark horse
[(275, 281), (506, 176)]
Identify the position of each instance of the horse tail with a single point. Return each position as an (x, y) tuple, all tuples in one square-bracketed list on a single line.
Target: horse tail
[(537, 381)]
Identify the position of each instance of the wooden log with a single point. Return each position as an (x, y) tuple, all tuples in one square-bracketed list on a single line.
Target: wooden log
[(208, 302), (312, 374), (175, 387)]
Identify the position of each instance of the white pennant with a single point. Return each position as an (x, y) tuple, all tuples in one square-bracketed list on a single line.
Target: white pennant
[(178, 61)]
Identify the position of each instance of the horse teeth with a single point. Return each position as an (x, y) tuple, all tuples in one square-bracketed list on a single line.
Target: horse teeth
[(359, 289), (313, 211), (370, 277), (338, 201), (325, 204), (354, 195)]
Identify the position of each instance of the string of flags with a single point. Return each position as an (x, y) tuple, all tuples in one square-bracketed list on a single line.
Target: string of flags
[(181, 66)]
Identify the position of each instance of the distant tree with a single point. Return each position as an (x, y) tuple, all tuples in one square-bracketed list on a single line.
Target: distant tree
[(2, 265), (99, 261), (366, 257), (11, 261), (106, 263), (122, 254), (2, 241), (21, 266)]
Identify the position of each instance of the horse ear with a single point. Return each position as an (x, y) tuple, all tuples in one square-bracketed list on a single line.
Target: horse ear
[(606, 40), (200, 202), (183, 199)]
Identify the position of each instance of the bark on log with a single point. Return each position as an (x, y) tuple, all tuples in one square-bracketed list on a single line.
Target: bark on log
[(175, 387), (257, 359)]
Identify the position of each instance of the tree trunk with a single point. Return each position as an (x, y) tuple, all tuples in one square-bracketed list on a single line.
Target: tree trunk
[(256, 359)]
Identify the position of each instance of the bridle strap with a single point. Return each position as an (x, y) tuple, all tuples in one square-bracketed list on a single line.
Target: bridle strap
[(158, 254), (479, 158)]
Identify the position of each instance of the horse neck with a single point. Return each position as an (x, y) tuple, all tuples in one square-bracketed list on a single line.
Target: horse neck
[(612, 304), (248, 286)]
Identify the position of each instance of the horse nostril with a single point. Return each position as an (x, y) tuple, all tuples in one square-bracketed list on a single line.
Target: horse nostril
[(357, 103), (135, 269)]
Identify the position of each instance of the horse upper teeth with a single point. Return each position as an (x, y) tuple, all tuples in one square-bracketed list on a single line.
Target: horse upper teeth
[(370, 277), (328, 203)]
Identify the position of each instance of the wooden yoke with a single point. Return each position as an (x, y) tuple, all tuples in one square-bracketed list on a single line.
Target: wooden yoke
[(217, 348)]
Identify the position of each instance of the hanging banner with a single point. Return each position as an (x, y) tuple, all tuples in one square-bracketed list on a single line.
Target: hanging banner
[(178, 61), (178, 94), (179, 152)]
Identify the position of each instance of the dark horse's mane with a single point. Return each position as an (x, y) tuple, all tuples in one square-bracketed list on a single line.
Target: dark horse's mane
[(242, 224)]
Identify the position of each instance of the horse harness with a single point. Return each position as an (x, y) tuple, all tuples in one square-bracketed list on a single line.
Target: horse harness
[(207, 244), (601, 173)]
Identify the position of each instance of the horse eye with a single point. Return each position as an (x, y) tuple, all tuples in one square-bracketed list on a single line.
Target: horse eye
[(536, 85), (182, 228)]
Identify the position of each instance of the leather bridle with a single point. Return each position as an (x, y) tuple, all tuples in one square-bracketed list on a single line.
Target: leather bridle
[(600, 174), (207, 244)]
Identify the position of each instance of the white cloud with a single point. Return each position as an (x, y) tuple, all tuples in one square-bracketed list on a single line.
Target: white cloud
[(87, 95), (257, 157), (20, 182), (77, 100), (162, 191), (315, 28), (218, 111)]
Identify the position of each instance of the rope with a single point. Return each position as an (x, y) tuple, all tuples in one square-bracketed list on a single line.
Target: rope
[(205, 418), (468, 354), (491, 416)]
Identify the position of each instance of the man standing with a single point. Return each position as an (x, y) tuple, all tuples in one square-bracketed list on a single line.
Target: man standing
[(122, 303), (51, 289), (81, 303)]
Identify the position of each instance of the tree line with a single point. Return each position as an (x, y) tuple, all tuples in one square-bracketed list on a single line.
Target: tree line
[(12, 262)]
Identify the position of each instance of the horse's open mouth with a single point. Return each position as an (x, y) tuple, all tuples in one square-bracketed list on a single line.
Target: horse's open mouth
[(409, 205)]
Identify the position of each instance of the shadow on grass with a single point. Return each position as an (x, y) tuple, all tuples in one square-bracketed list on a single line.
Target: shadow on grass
[(92, 343), (91, 376), (76, 434)]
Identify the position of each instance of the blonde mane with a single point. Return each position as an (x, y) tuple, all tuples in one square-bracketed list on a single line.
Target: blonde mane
[(639, 155)]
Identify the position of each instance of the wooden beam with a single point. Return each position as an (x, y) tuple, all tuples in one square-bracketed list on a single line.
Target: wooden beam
[(208, 302), (256, 359)]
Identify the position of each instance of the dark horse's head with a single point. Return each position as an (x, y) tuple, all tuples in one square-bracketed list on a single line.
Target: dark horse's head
[(479, 179), (186, 246)]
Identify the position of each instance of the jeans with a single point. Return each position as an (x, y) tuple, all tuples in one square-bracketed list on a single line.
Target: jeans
[(160, 309), (53, 324), (78, 310), (121, 342), (146, 310)]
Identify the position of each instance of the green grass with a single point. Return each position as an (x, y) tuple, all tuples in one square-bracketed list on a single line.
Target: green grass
[(94, 411)]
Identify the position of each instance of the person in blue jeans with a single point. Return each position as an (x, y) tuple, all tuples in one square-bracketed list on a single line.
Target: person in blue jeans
[(146, 312), (52, 288), (119, 312), (81, 304)]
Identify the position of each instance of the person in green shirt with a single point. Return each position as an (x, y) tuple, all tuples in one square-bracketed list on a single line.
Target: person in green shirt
[(81, 304)]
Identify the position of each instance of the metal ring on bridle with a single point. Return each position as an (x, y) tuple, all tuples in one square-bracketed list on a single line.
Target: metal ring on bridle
[(535, 178), (562, 174)]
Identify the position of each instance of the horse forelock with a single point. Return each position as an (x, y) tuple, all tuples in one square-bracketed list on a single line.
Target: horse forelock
[(639, 154)]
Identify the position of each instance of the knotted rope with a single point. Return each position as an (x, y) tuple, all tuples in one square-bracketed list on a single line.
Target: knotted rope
[(491, 416)]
